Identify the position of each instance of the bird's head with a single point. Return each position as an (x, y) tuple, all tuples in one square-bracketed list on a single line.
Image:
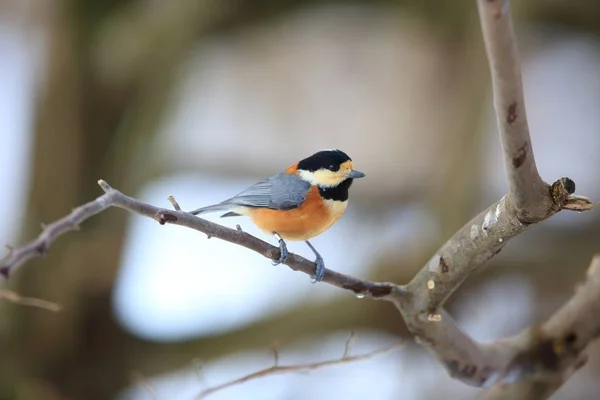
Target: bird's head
[(328, 169)]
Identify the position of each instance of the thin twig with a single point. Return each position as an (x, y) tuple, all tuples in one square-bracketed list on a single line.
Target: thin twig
[(113, 198), (278, 369), (38, 247), (29, 301), (174, 202)]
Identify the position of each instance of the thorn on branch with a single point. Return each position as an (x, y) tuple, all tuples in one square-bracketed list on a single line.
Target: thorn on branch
[(176, 206), (239, 228), (105, 186)]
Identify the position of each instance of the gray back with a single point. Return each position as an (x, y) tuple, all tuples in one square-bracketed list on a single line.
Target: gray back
[(279, 192)]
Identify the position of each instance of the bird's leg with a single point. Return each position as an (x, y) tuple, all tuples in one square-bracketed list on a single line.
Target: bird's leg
[(283, 251), (320, 270)]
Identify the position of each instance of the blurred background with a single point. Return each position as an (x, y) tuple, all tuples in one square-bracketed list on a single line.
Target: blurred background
[(200, 99)]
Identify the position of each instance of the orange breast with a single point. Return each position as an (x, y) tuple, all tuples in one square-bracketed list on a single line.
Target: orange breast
[(307, 221)]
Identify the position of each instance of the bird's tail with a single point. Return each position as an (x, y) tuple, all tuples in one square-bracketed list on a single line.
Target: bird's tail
[(213, 208)]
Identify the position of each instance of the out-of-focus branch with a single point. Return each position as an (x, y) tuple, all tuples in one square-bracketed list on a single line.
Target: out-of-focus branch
[(113, 198), (16, 298), (550, 353), (279, 369)]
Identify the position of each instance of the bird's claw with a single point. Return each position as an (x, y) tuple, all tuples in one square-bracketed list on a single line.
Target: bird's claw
[(319, 270), (283, 251)]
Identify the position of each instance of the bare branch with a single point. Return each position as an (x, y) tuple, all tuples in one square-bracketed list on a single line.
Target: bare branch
[(527, 190), (16, 257), (29, 301), (529, 201), (552, 352), (278, 369), (114, 198), (468, 250)]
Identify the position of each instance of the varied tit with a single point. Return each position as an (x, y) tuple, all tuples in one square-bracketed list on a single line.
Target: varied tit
[(298, 204)]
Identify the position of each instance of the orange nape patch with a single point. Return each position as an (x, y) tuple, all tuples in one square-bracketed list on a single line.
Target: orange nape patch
[(292, 169), (312, 218)]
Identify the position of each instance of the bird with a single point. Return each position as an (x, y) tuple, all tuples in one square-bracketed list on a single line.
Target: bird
[(301, 202)]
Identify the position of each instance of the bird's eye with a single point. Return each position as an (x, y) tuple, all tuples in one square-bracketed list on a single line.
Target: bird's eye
[(333, 167)]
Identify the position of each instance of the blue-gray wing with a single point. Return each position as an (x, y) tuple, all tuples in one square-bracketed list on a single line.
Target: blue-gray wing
[(279, 192)]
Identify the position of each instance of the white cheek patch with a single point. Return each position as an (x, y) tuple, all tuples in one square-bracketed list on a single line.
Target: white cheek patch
[(308, 177), (322, 177)]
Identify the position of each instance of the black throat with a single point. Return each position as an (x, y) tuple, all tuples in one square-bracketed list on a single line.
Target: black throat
[(337, 193)]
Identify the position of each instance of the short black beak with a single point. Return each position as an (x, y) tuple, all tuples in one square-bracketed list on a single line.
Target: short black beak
[(354, 174)]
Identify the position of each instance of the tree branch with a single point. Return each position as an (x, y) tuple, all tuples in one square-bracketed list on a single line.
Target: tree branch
[(550, 353), (113, 198), (278, 369), (528, 192), (530, 200), (16, 298)]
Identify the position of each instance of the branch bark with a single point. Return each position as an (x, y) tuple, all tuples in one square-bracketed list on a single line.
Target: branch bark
[(530, 200), (527, 190), (113, 198)]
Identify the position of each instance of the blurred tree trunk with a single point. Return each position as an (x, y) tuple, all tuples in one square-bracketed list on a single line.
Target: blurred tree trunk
[(86, 130), (75, 125)]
